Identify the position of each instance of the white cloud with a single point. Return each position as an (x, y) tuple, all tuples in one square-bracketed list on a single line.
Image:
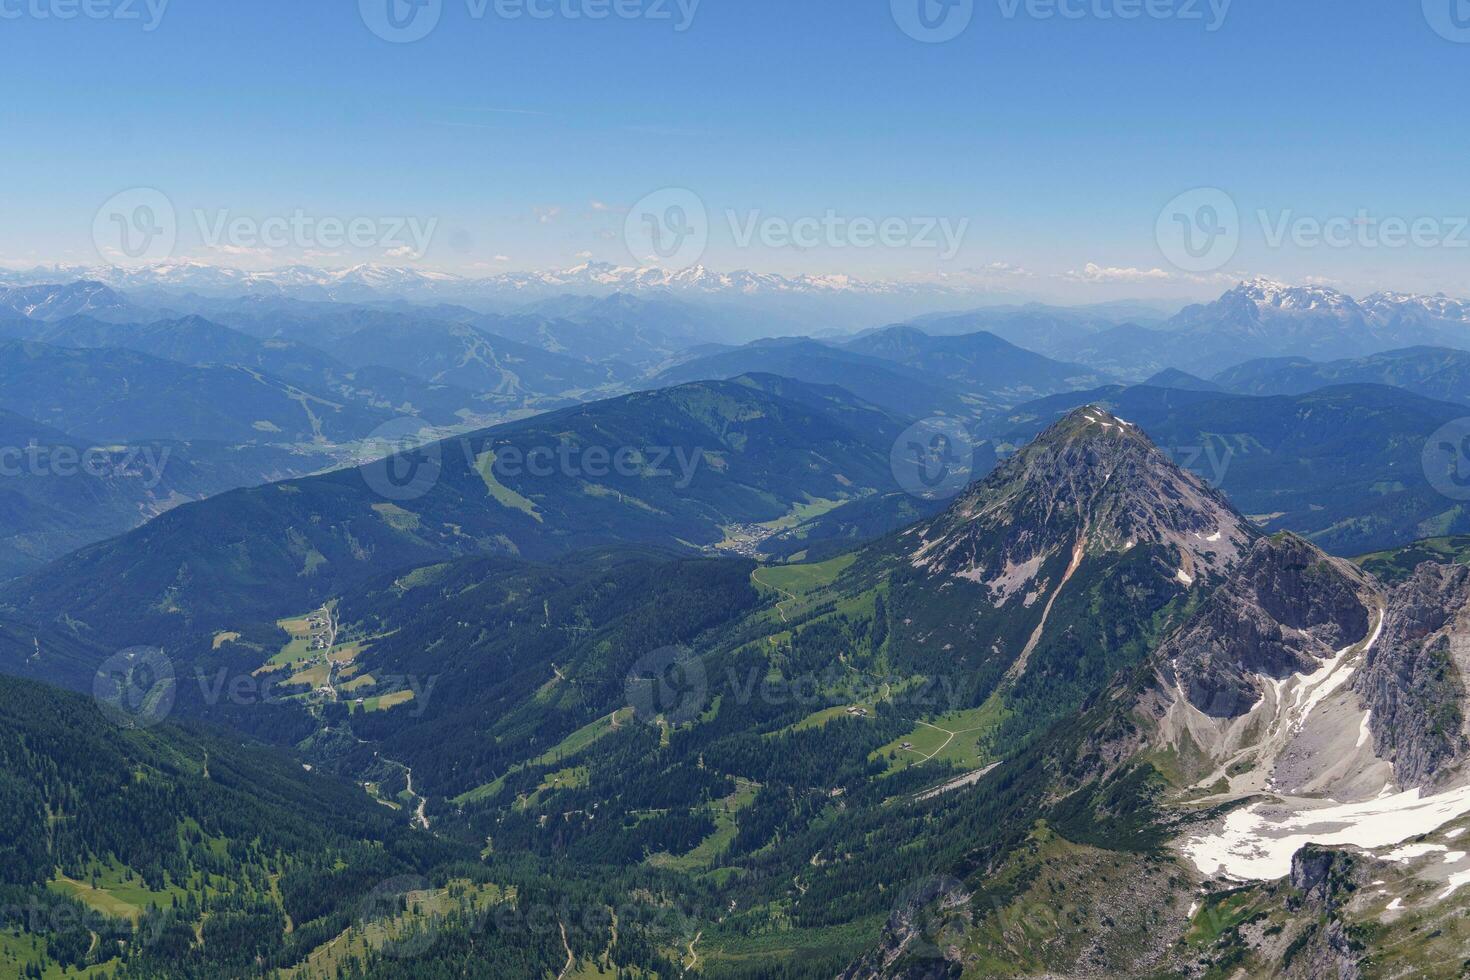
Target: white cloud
[(243, 250), (1094, 273), (1000, 270)]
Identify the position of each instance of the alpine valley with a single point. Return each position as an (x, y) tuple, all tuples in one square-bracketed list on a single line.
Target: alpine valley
[(502, 629)]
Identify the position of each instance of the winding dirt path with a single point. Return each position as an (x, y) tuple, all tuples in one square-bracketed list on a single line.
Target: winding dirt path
[(571, 960), (693, 954), (790, 597)]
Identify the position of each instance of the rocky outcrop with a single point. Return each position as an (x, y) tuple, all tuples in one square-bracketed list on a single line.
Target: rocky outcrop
[(1414, 680), (1325, 878), (922, 936), (1284, 610), (1324, 881)]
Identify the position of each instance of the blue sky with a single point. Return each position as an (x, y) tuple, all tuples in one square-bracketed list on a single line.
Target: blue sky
[(1052, 143)]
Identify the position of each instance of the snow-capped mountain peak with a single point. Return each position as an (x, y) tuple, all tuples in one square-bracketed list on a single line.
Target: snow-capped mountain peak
[(1438, 306), (1266, 292)]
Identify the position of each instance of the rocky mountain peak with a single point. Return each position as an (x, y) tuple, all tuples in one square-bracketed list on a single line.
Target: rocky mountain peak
[(1091, 484)]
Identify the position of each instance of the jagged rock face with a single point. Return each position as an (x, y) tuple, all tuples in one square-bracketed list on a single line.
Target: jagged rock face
[(1090, 484), (1325, 878), (1286, 608), (1326, 881), (920, 939), (1414, 681)]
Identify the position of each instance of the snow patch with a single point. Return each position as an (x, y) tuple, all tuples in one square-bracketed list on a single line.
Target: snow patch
[(1410, 852), (1256, 843), (1456, 882)]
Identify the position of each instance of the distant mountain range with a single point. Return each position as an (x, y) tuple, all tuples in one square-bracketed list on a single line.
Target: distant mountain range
[(1262, 318), (901, 368), (1434, 372), (48, 300), (117, 394), (783, 304), (981, 364), (899, 389), (59, 493), (408, 281)]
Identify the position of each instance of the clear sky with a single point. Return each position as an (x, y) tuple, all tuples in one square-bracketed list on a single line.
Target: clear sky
[(1046, 145)]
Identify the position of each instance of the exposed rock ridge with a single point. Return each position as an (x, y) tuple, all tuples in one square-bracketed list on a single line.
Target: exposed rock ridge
[(1325, 880), (1414, 681), (1286, 609)]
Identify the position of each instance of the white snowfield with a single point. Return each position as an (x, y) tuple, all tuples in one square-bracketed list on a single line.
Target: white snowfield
[(1257, 841)]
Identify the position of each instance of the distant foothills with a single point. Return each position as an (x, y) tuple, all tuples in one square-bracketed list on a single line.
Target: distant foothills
[(199, 380)]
